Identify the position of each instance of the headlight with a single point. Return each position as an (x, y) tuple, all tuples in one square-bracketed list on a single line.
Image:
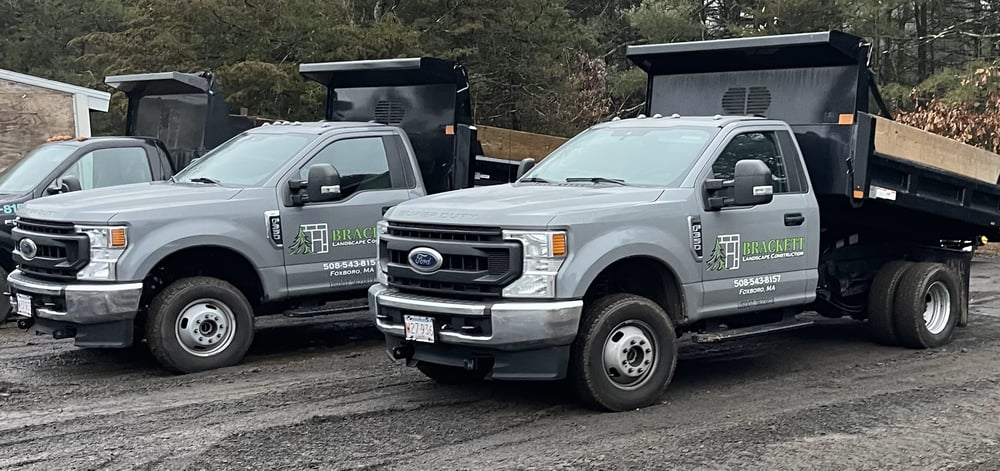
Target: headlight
[(380, 273), (106, 245), (544, 253)]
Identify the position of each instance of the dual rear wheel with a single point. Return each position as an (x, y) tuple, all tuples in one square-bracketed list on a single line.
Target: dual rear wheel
[(914, 304)]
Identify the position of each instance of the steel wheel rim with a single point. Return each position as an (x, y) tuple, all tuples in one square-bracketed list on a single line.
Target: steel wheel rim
[(630, 355), (205, 327), (937, 310)]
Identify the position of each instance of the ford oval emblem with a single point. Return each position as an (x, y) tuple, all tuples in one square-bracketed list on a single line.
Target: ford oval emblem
[(28, 248), (425, 260)]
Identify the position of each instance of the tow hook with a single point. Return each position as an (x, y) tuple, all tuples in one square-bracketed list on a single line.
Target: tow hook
[(402, 352), (25, 324), (64, 333)]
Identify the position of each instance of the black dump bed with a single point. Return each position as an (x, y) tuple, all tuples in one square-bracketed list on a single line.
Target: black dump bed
[(427, 97), (187, 112), (819, 83)]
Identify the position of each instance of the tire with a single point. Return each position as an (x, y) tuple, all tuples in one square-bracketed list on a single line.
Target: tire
[(881, 299), (643, 332), (219, 306), (929, 287), (445, 374)]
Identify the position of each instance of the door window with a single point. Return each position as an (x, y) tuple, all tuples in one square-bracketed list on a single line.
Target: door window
[(110, 167), (362, 163), (760, 145)]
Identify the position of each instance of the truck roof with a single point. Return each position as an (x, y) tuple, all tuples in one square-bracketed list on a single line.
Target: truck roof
[(75, 141), (313, 127), (657, 120)]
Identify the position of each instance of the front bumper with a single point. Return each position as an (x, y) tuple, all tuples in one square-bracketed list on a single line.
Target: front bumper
[(77, 303), (509, 326)]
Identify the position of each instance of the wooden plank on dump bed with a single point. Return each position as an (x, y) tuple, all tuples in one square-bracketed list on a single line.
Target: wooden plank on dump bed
[(514, 145), (916, 145)]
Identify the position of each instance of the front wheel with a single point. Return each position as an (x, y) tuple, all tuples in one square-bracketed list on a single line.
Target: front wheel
[(198, 324), (625, 353)]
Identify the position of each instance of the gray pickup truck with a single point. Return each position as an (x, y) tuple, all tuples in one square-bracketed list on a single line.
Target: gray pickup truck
[(637, 231), (279, 219)]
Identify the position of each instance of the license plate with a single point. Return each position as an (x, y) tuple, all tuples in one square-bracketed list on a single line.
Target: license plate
[(24, 305), (419, 328)]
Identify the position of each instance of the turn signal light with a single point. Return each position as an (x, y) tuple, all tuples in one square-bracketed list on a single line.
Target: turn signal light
[(118, 238), (559, 244)]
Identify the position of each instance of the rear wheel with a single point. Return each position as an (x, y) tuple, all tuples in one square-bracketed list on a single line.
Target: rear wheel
[(927, 305), (625, 353), (445, 374), (199, 323), (881, 301)]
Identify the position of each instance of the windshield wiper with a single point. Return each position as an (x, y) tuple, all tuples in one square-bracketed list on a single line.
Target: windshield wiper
[(533, 180), (597, 180), (204, 180)]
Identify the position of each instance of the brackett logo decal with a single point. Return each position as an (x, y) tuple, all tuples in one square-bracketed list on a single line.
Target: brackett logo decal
[(730, 252)]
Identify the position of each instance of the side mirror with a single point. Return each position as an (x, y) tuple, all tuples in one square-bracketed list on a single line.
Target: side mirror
[(323, 183), (523, 167), (753, 183), (64, 185)]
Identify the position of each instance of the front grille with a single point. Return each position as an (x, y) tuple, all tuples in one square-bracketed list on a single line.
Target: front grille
[(61, 251), (476, 262), (48, 251), (458, 233), (45, 227)]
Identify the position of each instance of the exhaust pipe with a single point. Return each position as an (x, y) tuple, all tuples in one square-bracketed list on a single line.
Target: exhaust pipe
[(25, 324)]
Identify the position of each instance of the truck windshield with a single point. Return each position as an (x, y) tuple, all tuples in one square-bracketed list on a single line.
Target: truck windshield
[(654, 156), (38, 164), (245, 160)]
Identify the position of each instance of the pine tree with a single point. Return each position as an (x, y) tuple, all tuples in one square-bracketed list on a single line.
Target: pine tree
[(301, 245), (718, 259)]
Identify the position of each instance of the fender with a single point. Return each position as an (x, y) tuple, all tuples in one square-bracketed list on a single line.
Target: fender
[(595, 257), (153, 247)]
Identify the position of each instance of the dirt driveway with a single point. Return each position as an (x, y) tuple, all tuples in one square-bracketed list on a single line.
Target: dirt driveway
[(326, 397)]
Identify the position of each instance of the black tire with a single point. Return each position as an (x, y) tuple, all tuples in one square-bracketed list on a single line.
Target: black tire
[(603, 320), (216, 295), (445, 374), (881, 299), (921, 284)]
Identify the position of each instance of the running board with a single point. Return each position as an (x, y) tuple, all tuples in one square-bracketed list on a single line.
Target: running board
[(724, 335), (326, 310)]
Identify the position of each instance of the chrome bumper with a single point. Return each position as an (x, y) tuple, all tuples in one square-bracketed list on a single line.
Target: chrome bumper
[(515, 325), (85, 303)]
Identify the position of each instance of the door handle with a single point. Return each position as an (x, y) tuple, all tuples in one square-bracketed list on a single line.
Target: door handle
[(794, 219)]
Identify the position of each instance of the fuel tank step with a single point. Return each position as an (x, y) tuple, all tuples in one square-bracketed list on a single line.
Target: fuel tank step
[(733, 334)]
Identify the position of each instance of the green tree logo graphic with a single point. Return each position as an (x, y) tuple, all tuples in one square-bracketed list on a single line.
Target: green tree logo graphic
[(717, 261), (302, 245)]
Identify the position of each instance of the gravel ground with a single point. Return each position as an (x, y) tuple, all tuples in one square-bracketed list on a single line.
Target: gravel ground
[(325, 397)]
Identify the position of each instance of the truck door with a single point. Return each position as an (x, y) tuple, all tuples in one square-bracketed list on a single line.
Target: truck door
[(754, 258), (331, 245)]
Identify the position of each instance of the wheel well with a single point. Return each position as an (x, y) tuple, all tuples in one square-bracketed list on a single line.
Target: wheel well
[(643, 276), (218, 262)]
